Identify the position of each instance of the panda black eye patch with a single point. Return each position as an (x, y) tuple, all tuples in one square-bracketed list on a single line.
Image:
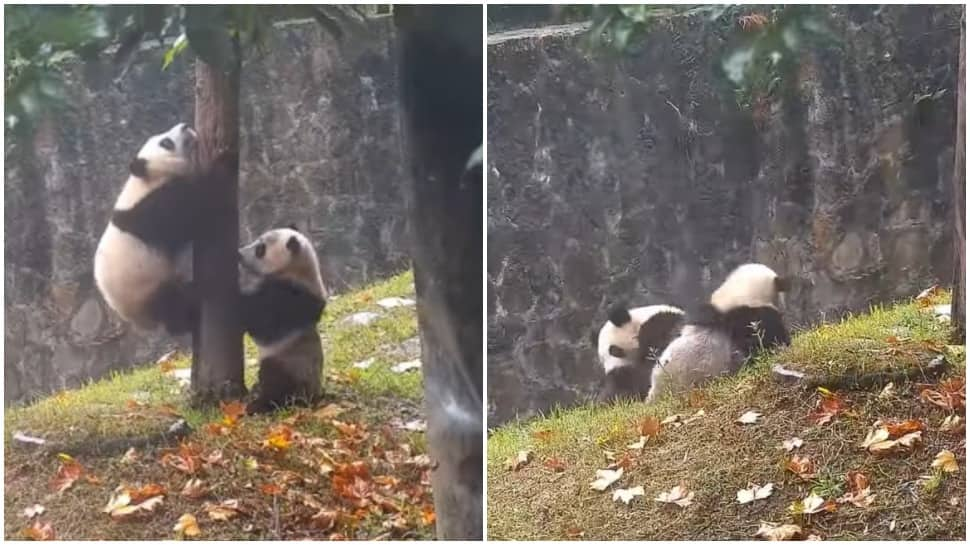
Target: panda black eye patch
[(260, 250), (167, 143)]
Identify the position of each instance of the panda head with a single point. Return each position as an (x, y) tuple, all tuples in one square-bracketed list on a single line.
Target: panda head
[(620, 332), (165, 155), (282, 254), (751, 284)]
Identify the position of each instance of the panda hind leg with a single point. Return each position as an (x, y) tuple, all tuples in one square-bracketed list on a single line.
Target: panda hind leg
[(277, 387), (176, 307)]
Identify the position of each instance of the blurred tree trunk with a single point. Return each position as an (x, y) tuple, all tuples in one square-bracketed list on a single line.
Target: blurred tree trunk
[(217, 365), (440, 77), (958, 310)]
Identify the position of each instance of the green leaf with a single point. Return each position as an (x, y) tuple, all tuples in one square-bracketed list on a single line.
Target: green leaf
[(177, 48)]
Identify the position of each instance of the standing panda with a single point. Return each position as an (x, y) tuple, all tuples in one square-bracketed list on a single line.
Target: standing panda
[(628, 345), (153, 222), (282, 300), (721, 336)]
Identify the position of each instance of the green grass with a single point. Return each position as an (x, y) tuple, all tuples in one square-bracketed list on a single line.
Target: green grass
[(715, 457), (138, 403)]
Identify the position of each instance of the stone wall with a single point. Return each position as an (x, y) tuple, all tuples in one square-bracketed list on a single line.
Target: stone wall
[(320, 148), (640, 179)]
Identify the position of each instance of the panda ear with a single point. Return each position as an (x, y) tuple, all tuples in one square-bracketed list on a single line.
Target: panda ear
[(293, 245), (139, 167), (782, 284), (616, 351), (293, 227), (619, 315)]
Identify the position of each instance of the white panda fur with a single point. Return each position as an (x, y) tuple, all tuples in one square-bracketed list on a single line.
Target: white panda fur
[(628, 345), (153, 222), (720, 338), (283, 297)]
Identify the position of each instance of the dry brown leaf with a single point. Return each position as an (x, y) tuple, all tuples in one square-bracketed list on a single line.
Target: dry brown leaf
[(828, 407), (801, 466), (330, 411), (225, 510), (792, 444), (187, 526), (899, 429), (271, 489), (194, 489), (778, 532), (754, 21), (69, 472), (649, 427), (950, 394), (945, 461), (555, 464), (574, 533), (131, 456), (325, 519), (678, 495), (859, 493), (40, 532), (542, 435), (149, 490)]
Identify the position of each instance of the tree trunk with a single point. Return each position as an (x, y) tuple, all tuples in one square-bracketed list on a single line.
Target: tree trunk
[(440, 71), (217, 366), (958, 310)]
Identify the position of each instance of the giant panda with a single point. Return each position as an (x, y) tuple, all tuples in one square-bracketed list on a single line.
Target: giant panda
[(153, 223), (628, 344), (282, 298), (720, 336)]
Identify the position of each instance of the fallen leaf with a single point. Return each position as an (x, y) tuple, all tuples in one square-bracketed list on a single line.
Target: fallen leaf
[(750, 417), (778, 532), (672, 419), (131, 456), (187, 526), (755, 492), (678, 495), (119, 506), (280, 438), (232, 412), (859, 493), (428, 515), (950, 394), (542, 435), (639, 444), (406, 366), (886, 446), (792, 444), (811, 505), (555, 464), (829, 406), (40, 532), (325, 519), (626, 495), (877, 435), (649, 427), (223, 511), (574, 533), (606, 477), (752, 22), (329, 412), (945, 461), (952, 424), (149, 490), (520, 460), (34, 510), (271, 489), (887, 391), (801, 466), (898, 429), (194, 489), (69, 472)]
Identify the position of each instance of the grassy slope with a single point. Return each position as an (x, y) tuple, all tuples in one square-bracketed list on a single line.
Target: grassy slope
[(715, 457), (106, 409)]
